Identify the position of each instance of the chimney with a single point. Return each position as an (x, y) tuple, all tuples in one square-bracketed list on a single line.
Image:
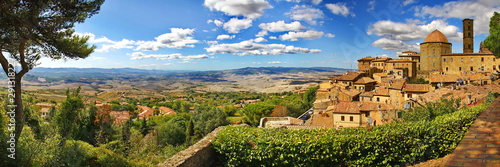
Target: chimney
[(468, 36)]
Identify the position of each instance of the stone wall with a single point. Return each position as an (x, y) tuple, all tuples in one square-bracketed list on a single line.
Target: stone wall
[(200, 154)]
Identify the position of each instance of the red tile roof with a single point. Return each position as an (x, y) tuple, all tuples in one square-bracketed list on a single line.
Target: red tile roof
[(397, 83), (382, 91), (350, 76), (364, 80), (167, 111)]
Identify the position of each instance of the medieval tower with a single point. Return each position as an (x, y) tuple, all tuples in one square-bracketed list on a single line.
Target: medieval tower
[(468, 29), (434, 45)]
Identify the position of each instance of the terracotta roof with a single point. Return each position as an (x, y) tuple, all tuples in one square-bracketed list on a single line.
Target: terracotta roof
[(434, 78), (381, 59), (381, 91), (409, 51), (367, 94), (350, 92), (350, 76), (436, 36), (357, 107), (167, 111), (322, 120), (145, 111), (367, 59), (417, 88), (397, 83), (364, 80)]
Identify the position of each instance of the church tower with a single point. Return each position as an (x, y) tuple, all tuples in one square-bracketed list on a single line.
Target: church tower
[(434, 45), (468, 35)]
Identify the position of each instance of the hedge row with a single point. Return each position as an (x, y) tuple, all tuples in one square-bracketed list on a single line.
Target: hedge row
[(396, 144)]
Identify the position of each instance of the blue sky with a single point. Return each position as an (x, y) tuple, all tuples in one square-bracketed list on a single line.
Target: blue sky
[(230, 34)]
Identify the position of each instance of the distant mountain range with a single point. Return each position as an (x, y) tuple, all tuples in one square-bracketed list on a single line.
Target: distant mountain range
[(100, 74)]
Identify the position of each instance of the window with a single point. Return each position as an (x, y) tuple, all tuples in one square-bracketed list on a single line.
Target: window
[(342, 118), (462, 59), (468, 27), (409, 95), (472, 68), (351, 118), (482, 68), (446, 68), (494, 67), (459, 68), (378, 99), (451, 59), (482, 59), (367, 114), (470, 35), (444, 59), (471, 59)]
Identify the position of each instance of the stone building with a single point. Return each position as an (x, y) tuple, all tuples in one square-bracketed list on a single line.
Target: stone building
[(436, 56)]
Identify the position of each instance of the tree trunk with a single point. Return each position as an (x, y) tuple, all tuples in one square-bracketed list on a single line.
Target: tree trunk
[(18, 101)]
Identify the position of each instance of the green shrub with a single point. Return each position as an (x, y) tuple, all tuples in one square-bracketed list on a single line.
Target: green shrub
[(396, 144)]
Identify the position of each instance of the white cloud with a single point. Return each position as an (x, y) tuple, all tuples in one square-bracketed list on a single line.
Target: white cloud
[(235, 25), (481, 11), (282, 26), (224, 36), (140, 55), (339, 9), (177, 38), (414, 30), (245, 48), (305, 13), (316, 2), (97, 58), (382, 56), (275, 62), (294, 36), (408, 2), (92, 38), (259, 39), (371, 5), (218, 23), (261, 34), (330, 35), (107, 44), (273, 37), (123, 44), (249, 8), (395, 45)]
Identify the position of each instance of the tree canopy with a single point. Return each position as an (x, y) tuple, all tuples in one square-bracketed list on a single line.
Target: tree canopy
[(31, 29), (494, 38)]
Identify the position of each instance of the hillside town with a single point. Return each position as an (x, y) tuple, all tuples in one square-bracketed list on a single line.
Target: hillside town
[(382, 87)]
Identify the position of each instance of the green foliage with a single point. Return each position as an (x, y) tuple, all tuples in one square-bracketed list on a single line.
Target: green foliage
[(418, 81), (493, 39), (395, 144), (173, 132), (69, 115), (79, 153), (492, 96), (254, 112), (206, 121), (431, 110)]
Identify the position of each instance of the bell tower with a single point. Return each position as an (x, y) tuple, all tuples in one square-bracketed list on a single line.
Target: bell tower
[(468, 35)]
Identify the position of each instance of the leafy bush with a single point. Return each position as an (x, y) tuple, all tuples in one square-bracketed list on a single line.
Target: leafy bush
[(395, 144), (431, 110)]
